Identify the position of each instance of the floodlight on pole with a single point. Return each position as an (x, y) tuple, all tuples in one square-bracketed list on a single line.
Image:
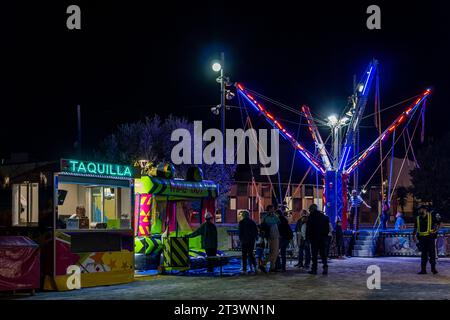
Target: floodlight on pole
[(332, 120), (343, 120), (216, 67)]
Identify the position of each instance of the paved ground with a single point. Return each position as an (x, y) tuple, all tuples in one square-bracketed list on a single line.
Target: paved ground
[(346, 280)]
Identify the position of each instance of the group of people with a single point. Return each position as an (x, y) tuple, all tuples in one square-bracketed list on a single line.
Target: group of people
[(314, 234), (274, 232)]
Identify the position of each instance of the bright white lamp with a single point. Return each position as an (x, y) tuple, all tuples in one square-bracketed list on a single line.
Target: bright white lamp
[(332, 120), (216, 67), (343, 120)]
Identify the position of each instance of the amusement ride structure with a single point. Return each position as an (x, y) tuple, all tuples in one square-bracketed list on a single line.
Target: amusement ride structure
[(343, 160)]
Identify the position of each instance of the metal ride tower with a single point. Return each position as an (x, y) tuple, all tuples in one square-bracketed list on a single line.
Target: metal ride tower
[(337, 166)]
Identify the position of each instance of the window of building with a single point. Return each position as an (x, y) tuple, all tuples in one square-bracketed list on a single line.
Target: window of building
[(25, 208), (232, 203), (296, 204), (242, 189), (309, 191), (265, 190)]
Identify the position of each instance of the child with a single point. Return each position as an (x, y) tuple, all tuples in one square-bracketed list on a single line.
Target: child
[(260, 250)]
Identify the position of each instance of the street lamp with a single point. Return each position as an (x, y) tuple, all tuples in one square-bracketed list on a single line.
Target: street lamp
[(216, 66)]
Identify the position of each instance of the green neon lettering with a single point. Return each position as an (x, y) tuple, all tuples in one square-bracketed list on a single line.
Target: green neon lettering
[(101, 168), (73, 163), (91, 167), (81, 168), (127, 172)]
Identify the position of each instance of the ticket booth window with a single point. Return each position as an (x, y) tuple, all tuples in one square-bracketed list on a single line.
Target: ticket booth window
[(106, 203), (110, 203), (96, 204), (25, 204), (103, 204)]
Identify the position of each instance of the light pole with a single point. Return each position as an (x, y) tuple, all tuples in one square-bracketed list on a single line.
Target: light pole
[(219, 67)]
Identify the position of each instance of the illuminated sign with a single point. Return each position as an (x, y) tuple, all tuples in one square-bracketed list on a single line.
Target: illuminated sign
[(96, 168)]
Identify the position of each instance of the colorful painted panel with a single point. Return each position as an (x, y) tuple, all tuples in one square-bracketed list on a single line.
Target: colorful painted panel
[(116, 266), (403, 245), (144, 214)]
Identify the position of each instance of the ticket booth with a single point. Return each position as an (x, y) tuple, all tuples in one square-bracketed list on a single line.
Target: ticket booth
[(81, 214)]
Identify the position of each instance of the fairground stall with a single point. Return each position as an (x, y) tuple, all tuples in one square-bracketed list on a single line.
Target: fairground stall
[(80, 213), (166, 210)]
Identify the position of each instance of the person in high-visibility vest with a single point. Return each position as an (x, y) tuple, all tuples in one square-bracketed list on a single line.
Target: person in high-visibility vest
[(425, 229)]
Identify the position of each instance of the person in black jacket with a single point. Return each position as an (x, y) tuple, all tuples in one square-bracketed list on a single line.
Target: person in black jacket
[(339, 234), (317, 229), (208, 232), (248, 232), (286, 236)]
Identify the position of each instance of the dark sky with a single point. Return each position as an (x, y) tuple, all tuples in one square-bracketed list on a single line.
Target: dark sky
[(131, 60)]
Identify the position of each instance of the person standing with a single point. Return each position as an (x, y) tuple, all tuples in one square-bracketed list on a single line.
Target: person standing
[(304, 249), (385, 214), (438, 218), (286, 236), (260, 250), (355, 203), (208, 233), (425, 229), (399, 221), (339, 239), (317, 229), (270, 223), (248, 232)]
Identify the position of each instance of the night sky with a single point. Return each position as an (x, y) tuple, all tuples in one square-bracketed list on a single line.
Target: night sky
[(131, 60)]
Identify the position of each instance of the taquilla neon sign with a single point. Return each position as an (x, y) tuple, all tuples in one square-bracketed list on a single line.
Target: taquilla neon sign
[(95, 168)]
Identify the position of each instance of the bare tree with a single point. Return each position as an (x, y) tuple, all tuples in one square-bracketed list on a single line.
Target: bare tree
[(150, 139)]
